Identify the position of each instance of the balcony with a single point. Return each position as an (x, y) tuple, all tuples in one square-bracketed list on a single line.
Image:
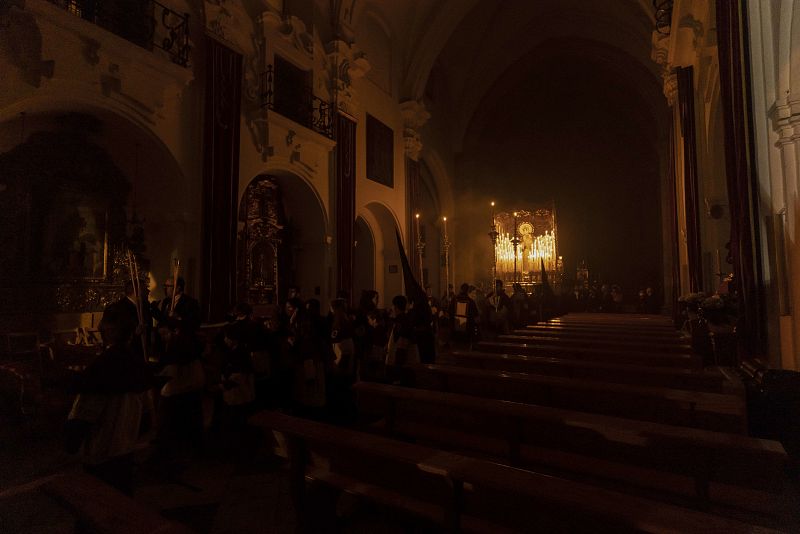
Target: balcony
[(293, 98), (146, 23)]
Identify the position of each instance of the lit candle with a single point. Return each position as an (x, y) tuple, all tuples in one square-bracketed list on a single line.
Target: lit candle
[(492, 213), (445, 227), (417, 219)]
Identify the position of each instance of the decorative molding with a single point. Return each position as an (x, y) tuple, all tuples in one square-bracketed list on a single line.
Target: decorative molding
[(228, 21), (689, 22), (671, 88), (414, 117), (346, 63), (660, 55), (21, 43), (97, 64), (660, 49), (288, 37)]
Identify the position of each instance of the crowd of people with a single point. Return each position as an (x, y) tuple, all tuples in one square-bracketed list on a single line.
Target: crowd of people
[(164, 380), (609, 298)]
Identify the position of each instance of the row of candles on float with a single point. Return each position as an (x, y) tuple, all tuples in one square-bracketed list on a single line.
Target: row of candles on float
[(529, 255), (531, 251)]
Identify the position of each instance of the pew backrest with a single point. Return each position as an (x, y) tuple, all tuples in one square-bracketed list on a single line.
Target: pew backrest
[(711, 380), (711, 411), (469, 488)]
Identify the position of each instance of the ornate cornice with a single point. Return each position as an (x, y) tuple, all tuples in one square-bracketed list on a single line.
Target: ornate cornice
[(289, 37), (345, 64)]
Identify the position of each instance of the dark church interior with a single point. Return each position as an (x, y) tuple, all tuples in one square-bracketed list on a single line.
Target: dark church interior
[(399, 266)]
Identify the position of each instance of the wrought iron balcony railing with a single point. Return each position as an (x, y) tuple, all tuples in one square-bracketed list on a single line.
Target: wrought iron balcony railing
[(300, 106), (146, 23)]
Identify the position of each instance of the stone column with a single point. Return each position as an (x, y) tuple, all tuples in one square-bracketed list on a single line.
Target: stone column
[(414, 117), (786, 122)]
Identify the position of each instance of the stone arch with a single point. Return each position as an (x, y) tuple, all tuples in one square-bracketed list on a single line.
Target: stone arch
[(149, 185), (431, 44), (388, 270), (303, 242), (431, 225), (364, 257), (279, 166)]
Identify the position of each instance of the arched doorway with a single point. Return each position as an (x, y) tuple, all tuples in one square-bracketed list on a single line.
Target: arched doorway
[(431, 227), (363, 258), (282, 241), (78, 188), (388, 271)]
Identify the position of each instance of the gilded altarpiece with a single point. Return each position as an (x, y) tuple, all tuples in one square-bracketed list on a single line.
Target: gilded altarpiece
[(261, 236)]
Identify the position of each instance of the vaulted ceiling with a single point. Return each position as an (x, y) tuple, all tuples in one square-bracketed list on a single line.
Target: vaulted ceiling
[(479, 47)]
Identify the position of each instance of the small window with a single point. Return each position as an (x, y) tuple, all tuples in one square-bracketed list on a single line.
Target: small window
[(292, 91), (380, 152)]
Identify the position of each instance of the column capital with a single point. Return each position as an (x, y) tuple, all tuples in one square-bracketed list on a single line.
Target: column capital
[(414, 117)]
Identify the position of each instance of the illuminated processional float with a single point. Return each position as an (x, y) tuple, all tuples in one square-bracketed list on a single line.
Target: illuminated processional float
[(524, 241)]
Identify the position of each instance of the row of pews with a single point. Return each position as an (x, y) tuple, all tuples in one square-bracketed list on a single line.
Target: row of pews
[(585, 423)]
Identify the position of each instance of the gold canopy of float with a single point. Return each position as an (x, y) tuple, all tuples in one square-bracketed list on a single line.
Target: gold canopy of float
[(524, 241)]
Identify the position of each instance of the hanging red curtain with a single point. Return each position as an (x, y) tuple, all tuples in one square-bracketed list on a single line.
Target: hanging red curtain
[(220, 178), (745, 249), (691, 194), (345, 201), (413, 203), (673, 228)]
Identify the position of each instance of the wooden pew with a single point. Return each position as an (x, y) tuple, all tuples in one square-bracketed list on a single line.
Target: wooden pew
[(712, 381), (666, 335), (468, 494), (698, 467), (99, 506), (560, 332), (582, 352), (628, 319), (619, 329), (600, 332), (613, 326), (622, 345), (711, 411)]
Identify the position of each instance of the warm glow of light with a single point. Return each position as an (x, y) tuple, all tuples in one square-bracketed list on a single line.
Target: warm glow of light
[(417, 215), (492, 203), (532, 250), (444, 218)]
